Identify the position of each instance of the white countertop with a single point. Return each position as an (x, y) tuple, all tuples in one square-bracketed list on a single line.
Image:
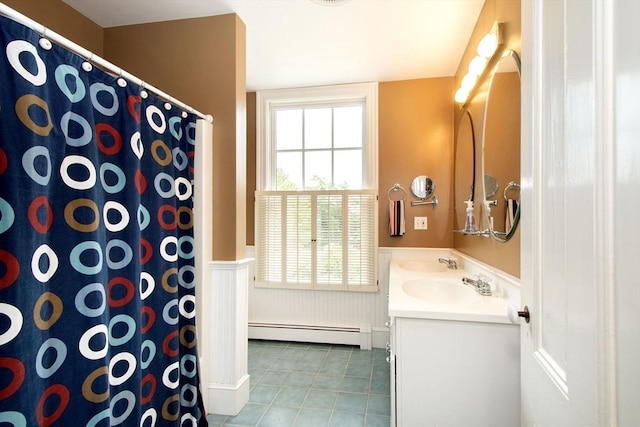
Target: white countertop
[(478, 308)]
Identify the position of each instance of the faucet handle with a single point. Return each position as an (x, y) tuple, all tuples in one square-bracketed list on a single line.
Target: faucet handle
[(485, 278), (488, 281), (449, 262)]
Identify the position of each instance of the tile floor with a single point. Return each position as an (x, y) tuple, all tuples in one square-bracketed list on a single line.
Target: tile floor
[(309, 385)]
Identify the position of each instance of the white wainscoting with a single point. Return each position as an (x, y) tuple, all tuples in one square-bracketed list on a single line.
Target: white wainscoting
[(323, 316), (225, 374)]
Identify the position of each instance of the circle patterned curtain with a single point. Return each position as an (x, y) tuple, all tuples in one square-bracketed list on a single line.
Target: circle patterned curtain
[(97, 302)]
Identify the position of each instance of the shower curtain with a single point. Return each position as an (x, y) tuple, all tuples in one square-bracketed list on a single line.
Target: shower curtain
[(97, 302)]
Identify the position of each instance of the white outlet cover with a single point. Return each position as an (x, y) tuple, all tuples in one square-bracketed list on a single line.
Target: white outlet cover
[(420, 223)]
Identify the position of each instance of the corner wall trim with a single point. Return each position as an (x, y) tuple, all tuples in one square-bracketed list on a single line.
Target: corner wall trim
[(226, 363)]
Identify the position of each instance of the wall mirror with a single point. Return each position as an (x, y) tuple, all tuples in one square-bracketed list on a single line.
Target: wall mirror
[(422, 187), (490, 186), (501, 147), (465, 168)]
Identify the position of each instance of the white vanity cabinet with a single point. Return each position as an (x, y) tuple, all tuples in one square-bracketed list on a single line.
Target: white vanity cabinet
[(452, 373)]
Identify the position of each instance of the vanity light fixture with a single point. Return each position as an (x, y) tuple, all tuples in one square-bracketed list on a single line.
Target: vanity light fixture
[(486, 49)]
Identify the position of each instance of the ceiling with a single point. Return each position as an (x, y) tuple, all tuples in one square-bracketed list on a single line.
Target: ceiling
[(297, 43)]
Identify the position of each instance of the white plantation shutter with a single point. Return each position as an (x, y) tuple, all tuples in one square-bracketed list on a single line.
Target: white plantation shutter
[(297, 234), (316, 239), (361, 211), (270, 266)]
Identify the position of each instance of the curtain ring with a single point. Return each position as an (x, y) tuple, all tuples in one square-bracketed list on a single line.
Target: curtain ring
[(44, 42), (86, 65), (121, 80), (143, 92)]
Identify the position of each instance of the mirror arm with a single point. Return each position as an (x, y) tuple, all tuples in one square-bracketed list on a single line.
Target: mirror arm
[(482, 233), (422, 202)]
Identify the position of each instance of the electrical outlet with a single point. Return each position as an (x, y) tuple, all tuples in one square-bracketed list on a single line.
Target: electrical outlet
[(420, 223)]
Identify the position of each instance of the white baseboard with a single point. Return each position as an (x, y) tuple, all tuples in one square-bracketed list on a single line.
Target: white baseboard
[(380, 337), (327, 335), (227, 400)]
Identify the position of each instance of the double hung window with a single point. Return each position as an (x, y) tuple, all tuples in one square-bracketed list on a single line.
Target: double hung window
[(316, 204)]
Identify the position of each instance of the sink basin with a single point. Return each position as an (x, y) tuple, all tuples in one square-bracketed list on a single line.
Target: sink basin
[(427, 266), (438, 291)]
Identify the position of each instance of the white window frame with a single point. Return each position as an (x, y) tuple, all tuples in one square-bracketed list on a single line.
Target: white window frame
[(267, 101)]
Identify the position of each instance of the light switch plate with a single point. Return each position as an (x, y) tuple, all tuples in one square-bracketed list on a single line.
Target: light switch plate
[(420, 223)]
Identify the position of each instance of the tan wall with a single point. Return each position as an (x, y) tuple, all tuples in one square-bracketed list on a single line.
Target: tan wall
[(62, 19), (415, 138), (505, 256), (415, 130), (201, 62)]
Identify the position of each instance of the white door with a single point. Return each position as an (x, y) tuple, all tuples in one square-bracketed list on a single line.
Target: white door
[(581, 213)]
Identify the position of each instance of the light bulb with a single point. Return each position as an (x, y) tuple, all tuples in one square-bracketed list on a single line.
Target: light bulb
[(468, 82), (477, 64), (461, 95), (486, 49), (488, 45)]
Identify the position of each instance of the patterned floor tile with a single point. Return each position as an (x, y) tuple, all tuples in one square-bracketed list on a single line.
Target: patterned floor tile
[(314, 385)]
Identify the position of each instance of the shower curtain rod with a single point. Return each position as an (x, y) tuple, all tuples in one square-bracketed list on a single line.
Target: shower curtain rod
[(89, 56)]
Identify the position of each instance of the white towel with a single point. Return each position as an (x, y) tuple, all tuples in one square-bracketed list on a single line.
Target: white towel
[(396, 218), (509, 218)]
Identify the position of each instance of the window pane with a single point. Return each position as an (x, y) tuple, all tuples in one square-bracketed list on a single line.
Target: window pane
[(317, 128), (347, 127), (347, 170), (317, 170), (289, 171), (288, 129)]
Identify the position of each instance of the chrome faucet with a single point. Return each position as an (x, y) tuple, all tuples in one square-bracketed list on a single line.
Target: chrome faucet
[(450, 263), (480, 285)]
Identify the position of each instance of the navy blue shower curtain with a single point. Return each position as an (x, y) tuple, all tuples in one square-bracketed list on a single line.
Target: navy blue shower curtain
[(97, 280)]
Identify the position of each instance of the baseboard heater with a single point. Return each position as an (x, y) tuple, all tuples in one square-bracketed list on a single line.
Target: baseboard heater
[(312, 333)]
